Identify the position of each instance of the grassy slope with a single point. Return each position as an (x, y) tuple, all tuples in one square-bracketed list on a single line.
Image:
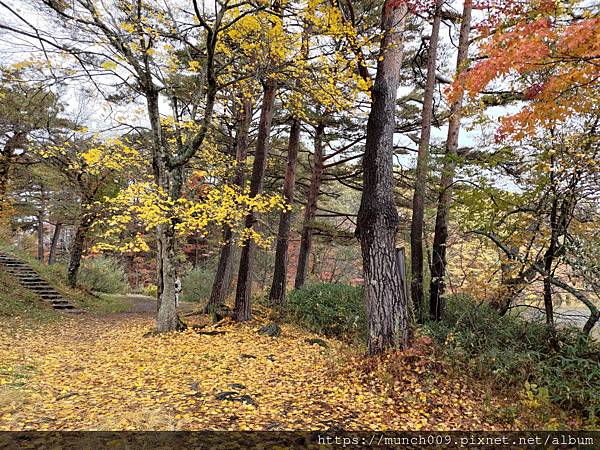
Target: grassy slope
[(55, 276), (16, 301)]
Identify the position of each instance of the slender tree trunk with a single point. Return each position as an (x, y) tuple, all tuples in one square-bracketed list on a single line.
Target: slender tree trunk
[(440, 240), (386, 305), (279, 284), (418, 211), (40, 236), (242, 311), (278, 287), (223, 277), (549, 261), (54, 243), (311, 206)]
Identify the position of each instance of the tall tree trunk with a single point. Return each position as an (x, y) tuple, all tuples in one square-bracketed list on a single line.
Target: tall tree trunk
[(54, 243), (418, 211), (40, 225), (311, 206), (224, 274), (169, 178), (77, 247), (549, 257), (40, 236), (440, 240), (386, 305), (242, 311), (278, 287), (279, 284)]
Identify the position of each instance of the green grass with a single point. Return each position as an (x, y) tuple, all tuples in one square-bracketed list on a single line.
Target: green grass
[(27, 303)]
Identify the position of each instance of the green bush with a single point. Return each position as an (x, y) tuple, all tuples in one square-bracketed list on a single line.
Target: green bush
[(197, 284), (103, 274), (516, 353), (334, 310)]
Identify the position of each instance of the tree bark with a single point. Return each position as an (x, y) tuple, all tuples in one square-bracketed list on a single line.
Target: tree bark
[(169, 178), (224, 275), (54, 243), (440, 239), (549, 261), (40, 236), (279, 285), (242, 311), (418, 211), (77, 248), (386, 305), (311, 206)]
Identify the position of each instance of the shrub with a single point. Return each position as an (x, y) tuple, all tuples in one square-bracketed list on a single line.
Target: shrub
[(197, 284), (151, 290), (334, 310), (103, 274), (516, 353)]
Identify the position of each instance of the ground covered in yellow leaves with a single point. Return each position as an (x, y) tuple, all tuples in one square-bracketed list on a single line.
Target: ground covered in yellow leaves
[(102, 373)]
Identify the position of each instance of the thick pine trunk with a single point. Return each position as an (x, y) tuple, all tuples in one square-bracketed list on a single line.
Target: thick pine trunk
[(279, 285), (242, 311), (386, 304), (224, 275), (311, 206), (77, 248), (418, 211), (440, 240), (54, 243), (167, 318)]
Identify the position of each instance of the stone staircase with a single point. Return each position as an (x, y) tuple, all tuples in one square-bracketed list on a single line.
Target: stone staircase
[(30, 279)]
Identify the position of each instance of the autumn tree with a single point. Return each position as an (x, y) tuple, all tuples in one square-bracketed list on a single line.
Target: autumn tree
[(92, 169), (418, 207), (386, 304), (547, 53), (440, 239), (140, 41)]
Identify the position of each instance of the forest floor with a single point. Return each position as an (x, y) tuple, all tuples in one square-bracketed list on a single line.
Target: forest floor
[(106, 372)]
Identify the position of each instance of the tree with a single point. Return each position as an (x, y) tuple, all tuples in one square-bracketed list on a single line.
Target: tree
[(92, 170), (138, 42), (279, 284), (242, 311), (224, 266), (418, 207), (386, 305), (440, 239), (30, 111)]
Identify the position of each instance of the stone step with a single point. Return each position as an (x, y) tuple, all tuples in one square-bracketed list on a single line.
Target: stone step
[(31, 280)]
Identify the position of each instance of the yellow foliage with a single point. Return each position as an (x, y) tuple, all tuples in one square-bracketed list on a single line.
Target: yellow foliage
[(100, 373)]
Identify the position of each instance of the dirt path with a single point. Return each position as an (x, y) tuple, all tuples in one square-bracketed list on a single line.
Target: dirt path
[(146, 305)]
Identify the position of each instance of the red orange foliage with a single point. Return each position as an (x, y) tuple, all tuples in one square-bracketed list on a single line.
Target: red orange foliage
[(544, 50)]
